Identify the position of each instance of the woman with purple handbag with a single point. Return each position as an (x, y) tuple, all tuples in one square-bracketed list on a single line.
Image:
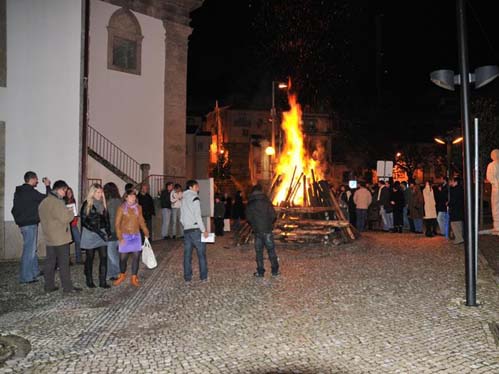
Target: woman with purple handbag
[(129, 221)]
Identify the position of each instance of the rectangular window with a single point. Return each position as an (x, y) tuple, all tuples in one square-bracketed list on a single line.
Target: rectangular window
[(124, 53)]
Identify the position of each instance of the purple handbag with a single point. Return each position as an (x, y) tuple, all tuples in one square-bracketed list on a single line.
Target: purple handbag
[(132, 243)]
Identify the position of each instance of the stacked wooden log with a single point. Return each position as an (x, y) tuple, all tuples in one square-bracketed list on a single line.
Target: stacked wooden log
[(319, 219)]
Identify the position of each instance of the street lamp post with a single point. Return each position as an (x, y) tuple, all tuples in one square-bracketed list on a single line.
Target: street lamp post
[(447, 79)]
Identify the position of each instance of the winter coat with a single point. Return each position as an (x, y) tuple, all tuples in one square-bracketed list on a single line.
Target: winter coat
[(430, 210), (129, 221), (397, 197), (26, 202), (441, 199), (416, 204), (190, 212), (238, 207), (55, 218), (260, 212), (147, 204), (384, 199), (228, 208), (219, 210), (95, 222), (176, 199), (112, 208), (362, 198), (456, 203), (164, 199)]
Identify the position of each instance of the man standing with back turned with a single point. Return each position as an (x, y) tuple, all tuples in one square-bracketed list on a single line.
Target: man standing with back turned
[(261, 215), (190, 217), (25, 213)]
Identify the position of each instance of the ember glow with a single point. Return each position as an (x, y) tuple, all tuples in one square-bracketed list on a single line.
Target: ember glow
[(294, 162)]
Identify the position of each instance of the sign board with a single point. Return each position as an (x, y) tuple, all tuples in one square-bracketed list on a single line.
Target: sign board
[(384, 169), (207, 198)]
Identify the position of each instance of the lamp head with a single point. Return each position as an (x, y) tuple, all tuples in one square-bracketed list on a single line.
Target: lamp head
[(444, 79), (439, 141), (485, 74), (457, 140)]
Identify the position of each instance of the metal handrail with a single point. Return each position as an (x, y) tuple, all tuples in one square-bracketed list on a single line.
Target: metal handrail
[(157, 182), (113, 154)]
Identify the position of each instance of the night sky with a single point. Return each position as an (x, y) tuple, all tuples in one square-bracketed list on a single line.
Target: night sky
[(329, 47)]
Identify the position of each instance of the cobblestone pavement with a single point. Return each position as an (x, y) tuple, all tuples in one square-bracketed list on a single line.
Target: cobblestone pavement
[(389, 303)]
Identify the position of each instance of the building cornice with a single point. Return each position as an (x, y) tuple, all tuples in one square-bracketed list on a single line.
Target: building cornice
[(177, 11)]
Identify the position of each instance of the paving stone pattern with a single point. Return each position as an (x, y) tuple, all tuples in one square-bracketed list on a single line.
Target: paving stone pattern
[(389, 303)]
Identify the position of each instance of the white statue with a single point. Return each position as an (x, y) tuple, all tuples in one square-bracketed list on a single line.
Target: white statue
[(493, 178)]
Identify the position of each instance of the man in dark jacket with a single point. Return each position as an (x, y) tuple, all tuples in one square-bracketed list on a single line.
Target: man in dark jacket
[(456, 209), (386, 208), (147, 204), (441, 206), (261, 215), (25, 213)]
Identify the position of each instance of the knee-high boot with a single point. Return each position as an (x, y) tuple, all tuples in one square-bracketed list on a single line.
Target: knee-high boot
[(89, 261)]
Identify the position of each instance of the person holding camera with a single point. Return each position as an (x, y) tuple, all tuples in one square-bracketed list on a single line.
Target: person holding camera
[(95, 233), (25, 213)]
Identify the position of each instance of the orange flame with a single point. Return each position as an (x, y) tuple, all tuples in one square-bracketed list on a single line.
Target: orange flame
[(294, 155)]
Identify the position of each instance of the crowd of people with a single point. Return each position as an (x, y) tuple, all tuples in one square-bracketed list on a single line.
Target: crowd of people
[(400, 206), (114, 226)]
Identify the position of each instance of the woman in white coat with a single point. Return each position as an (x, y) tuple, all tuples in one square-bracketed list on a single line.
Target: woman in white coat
[(430, 210)]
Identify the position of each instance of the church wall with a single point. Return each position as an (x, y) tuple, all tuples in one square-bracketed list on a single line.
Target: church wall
[(127, 108), (40, 104)]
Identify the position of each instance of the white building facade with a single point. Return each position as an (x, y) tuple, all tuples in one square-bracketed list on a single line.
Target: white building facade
[(133, 93)]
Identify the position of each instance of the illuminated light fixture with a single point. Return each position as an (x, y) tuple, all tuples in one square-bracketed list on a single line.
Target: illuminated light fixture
[(282, 86), (440, 141), (270, 151), (398, 154), (458, 140)]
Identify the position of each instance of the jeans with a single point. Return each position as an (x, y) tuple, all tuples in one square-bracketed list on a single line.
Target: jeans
[(387, 219), (457, 229), (166, 215), (361, 219), (441, 222), (192, 238), (418, 225), (58, 256), (149, 227), (267, 240), (29, 259), (406, 219), (177, 227), (113, 259), (76, 238)]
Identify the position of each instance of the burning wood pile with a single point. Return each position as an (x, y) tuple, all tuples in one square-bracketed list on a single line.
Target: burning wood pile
[(308, 211)]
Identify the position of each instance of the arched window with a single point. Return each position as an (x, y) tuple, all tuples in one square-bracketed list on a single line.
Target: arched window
[(124, 46)]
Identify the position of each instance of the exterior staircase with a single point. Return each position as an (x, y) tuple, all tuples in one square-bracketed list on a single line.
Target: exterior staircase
[(113, 157)]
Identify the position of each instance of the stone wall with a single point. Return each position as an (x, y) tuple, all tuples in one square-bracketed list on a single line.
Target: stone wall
[(3, 44), (2, 188)]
